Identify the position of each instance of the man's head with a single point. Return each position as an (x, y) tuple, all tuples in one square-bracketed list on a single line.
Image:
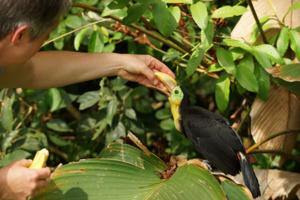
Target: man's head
[(25, 24)]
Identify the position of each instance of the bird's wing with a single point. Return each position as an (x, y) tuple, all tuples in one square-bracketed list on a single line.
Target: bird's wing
[(215, 141)]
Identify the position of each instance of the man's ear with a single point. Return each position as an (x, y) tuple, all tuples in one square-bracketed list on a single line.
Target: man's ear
[(19, 34)]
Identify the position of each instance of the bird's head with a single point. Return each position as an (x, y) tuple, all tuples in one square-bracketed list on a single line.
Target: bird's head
[(175, 96)]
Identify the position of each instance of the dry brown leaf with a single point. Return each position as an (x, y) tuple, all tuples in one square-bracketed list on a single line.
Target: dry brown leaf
[(263, 8), (279, 113), (276, 184)]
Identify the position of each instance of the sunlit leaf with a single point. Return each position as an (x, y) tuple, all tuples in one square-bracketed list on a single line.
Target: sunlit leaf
[(283, 41), (88, 99), (164, 19), (229, 11), (195, 61), (225, 59), (295, 42), (96, 44), (58, 125), (79, 38), (290, 73), (222, 93), (245, 74), (200, 14)]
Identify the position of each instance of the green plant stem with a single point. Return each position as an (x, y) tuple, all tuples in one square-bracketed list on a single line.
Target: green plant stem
[(73, 31), (264, 38), (152, 34), (295, 158), (257, 145)]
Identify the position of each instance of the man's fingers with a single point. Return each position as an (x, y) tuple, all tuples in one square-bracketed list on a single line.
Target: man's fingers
[(157, 65), (40, 185), (24, 163), (43, 173)]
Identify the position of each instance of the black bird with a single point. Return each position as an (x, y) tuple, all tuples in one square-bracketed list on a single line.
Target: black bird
[(210, 134)]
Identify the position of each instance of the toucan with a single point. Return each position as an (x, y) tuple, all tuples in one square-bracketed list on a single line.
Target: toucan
[(211, 135)]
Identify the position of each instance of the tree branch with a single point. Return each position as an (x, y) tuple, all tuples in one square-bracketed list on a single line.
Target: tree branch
[(255, 146), (264, 38)]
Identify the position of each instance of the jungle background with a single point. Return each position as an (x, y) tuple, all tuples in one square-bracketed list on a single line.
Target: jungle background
[(252, 81)]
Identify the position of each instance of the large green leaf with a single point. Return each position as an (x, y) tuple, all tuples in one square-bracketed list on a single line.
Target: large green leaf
[(245, 74), (125, 173), (289, 73), (164, 19), (283, 41), (222, 93), (200, 14), (225, 59), (229, 11), (135, 12), (295, 42)]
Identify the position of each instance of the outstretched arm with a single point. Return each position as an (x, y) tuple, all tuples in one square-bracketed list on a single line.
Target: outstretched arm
[(54, 69)]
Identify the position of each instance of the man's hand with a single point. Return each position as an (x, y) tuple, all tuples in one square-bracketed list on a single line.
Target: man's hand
[(17, 182), (141, 68)]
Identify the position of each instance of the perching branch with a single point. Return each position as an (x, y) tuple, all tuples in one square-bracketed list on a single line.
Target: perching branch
[(292, 157), (255, 146), (264, 38)]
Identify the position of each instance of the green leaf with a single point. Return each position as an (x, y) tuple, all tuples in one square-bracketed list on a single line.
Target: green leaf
[(73, 21), (176, 12), (18, 154), (55, 99), (295, 42), (229, 11), (289, 73), (58, 125), (270, 51), (96, 44), (245, 74), (200, 14), (164, 19), (194, 61), (283, 41), (130, 113), (163, 114), (207, 36), (111, 111), (222, 93), (6, 115), (88, 99), (225, 59), (118, 4), (179, 1), (234, 191), (79, 38), (237, 43), (125, 173), (167, 124), (293, 7), (135, 12), (264, 83)]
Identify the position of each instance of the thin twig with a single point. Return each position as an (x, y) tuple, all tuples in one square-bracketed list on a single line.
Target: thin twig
[(295, 158), (264, 38), (255, 146)]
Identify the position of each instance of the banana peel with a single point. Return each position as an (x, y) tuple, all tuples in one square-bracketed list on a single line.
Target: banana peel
[(40, 159)]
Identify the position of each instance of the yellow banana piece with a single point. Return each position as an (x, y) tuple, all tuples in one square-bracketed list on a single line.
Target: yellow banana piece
[(40, 159)]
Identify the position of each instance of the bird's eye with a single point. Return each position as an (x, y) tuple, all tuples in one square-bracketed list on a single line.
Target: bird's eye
[(176, 92)]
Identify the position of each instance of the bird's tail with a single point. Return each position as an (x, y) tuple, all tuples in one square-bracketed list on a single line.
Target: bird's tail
[(249, 176)]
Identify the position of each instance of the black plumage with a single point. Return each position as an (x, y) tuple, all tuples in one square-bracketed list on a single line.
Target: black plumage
[(217, 142)]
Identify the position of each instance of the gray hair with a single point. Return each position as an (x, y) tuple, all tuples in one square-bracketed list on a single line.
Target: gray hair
[(40, 15)]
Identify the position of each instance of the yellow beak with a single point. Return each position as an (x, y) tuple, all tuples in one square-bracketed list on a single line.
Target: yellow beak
[(169, 82)]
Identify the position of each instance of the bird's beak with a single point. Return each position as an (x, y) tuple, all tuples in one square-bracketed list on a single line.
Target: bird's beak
[(169, 82)]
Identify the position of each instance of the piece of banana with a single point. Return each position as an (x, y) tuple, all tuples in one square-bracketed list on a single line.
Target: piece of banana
[(40, 159)]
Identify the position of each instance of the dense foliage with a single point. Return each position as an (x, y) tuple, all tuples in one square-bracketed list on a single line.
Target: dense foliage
[(192, 38)]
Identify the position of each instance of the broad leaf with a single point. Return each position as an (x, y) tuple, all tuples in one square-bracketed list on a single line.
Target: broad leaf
[(225, 59), (58, 125), (195, 61), (290, 73), (222, 93), (96, 44), (125, 173), (135, 12), (229, 11), (200, 14), (88, 99), (164, 19), (245, 74), (79, 38), (264, 83), (179, 1), (295, 42), (283, 41)]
